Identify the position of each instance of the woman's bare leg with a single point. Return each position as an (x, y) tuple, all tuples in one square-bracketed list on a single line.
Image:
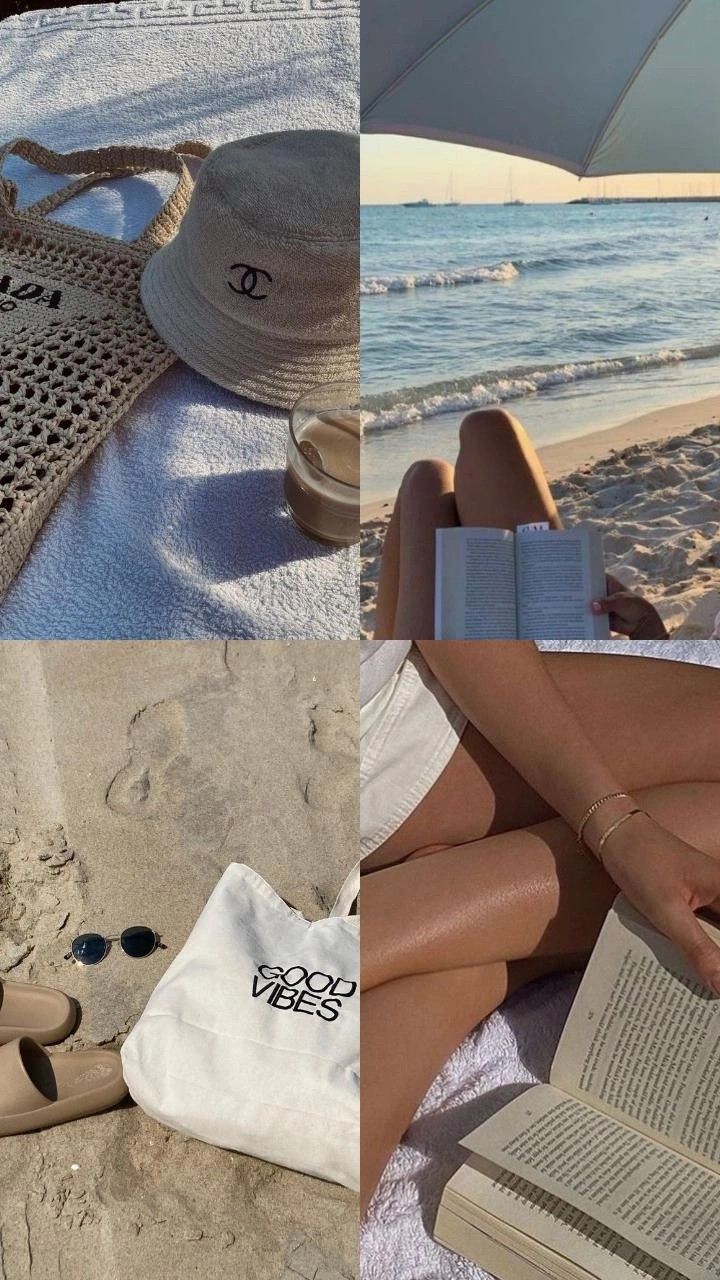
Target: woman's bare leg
[(508, 897), (553, 915), (660, 725), (447, 1006), (654, 721), (499, 480), (389, 580), (406, 590)]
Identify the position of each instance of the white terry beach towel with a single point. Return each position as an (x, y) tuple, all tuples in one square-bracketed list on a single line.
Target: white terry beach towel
[(176, 527), (512, 1049)]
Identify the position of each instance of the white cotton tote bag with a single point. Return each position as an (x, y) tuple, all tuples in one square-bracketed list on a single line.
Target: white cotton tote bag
[(251, 1040)]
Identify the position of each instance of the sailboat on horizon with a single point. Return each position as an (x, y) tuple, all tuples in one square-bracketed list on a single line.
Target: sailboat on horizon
[(450, 202), (510, 198)]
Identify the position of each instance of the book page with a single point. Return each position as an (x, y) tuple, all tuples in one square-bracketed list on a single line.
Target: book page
[(454, 1232), (559, 573), (475, 584), (643, 1038), (541, 1226), (657, 1200)]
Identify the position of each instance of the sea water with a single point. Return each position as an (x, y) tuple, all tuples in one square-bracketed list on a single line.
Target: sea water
[(577, 317)]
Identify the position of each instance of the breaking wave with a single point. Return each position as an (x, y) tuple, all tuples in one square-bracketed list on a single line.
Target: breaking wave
[(374, 285), (383, 412)]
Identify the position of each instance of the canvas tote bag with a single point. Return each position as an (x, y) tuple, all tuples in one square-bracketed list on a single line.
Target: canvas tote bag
[(251, 1039), (76, 347)]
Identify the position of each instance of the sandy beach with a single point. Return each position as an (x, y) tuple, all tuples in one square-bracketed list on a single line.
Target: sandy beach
[(131, 775), (653, 486)]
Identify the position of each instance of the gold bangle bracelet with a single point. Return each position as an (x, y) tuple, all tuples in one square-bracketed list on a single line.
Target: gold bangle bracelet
[(597, 804), (611, 829)]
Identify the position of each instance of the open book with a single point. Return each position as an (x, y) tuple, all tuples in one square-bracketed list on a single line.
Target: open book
[(535, 584), (612, 1171)]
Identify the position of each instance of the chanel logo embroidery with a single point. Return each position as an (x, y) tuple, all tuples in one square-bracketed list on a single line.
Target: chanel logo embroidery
[(11, 293), (249, 282), (317, 994)]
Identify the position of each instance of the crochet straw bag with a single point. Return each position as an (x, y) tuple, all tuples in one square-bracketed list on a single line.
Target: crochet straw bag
[(76, 347)]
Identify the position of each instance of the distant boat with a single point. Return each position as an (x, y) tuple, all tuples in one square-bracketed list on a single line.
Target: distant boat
[(418, 204), (450, 202), (510, 199)]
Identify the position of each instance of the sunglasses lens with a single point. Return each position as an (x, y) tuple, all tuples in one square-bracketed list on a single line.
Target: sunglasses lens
[(89, 948), (138, 941)]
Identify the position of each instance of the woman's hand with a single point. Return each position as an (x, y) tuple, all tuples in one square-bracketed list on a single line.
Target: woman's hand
[(668, 880), (630, 613)]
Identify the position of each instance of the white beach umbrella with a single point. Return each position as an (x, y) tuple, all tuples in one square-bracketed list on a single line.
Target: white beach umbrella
[(595, 86)]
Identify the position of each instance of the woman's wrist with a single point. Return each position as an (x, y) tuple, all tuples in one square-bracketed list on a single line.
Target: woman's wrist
[(601, 816), (619, 841)]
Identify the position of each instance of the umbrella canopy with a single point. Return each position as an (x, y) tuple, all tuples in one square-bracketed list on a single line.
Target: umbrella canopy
[(597, 87)]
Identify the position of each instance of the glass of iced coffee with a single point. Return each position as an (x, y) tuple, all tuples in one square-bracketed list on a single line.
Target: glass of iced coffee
[(322, 480)]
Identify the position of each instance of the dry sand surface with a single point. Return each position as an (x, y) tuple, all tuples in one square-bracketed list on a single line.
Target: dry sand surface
[(653, 487), (131, 775)]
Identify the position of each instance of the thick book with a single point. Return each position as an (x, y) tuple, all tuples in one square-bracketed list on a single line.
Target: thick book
[(612, 1170), (535, 584)]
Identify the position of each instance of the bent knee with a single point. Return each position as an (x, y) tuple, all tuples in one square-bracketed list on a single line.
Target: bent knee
[(494, 428), (433, 475)]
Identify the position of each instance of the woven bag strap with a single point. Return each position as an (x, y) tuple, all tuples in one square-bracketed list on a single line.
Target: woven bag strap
[(97, 166)]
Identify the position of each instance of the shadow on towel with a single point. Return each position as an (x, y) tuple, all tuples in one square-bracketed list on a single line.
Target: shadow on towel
[(445, 1130), (451, 1127), (499, 1060), (241, 526)]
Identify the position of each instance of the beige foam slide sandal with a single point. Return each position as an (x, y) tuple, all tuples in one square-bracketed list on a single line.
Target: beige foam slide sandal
[(37, 1091), (26, 1010)]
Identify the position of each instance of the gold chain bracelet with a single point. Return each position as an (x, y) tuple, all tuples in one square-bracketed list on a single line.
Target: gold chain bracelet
[(613, 827), (597, 804)]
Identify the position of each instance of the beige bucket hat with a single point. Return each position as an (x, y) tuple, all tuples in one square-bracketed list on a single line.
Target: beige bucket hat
[(259, 290)]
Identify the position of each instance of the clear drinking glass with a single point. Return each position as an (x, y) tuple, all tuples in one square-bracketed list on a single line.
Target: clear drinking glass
[(322, 480)]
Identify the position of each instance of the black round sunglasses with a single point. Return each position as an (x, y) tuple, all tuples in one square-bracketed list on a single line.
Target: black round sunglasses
[(137, 942)]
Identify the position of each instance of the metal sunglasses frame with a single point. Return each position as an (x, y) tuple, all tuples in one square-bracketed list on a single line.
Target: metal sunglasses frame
[(108, 939)]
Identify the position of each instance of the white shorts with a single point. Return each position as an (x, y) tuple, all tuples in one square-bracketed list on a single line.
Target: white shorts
[(410, 729), (408, 732)]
